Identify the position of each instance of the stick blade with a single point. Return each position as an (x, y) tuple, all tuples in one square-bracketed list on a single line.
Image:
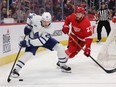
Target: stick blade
[(8, 80), (111, 71)]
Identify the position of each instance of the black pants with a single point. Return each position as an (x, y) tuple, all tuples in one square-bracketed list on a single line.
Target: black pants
[(106, 24)]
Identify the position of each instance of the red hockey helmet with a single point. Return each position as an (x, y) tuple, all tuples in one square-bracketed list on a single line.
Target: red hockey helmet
[(80, 10)]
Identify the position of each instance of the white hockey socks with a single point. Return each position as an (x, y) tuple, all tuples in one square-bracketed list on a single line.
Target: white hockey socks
[(21, 62)]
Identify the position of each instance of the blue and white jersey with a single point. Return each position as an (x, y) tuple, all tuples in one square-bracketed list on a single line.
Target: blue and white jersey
[(39, 35)]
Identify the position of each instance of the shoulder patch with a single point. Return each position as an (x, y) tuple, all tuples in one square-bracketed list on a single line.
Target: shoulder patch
[(30, 16)]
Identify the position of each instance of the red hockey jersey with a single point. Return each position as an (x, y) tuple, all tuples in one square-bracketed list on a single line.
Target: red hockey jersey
[(82, 29)]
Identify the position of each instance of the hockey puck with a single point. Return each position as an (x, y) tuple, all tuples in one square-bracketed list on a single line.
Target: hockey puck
[(20, 79)]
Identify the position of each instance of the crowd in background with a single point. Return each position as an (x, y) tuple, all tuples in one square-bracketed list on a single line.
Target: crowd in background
[(60, 9)]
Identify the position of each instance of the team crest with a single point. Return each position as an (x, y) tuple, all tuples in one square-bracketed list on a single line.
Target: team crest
[(47, 17), (76, 29)]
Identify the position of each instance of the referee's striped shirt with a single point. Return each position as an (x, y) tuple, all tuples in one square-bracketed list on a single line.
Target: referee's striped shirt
[(104, 15)]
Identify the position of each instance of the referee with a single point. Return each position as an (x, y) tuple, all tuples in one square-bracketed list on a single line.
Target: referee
[(103, 15)]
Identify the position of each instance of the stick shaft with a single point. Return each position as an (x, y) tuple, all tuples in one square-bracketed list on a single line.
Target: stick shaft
[(14, 62)]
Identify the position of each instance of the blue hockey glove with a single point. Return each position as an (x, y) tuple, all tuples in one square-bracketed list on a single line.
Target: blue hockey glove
[(27, 29), (24, 43)]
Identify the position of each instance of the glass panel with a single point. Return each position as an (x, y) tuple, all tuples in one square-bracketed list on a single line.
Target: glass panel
[(17, 10)]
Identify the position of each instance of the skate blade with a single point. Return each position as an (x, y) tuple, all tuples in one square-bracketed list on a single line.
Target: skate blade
[(66, 71), (58, 67), (14, 76)]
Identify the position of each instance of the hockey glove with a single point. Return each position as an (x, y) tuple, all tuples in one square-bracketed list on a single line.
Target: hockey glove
[(88, 46), (87, 52), (65, 29), (24, 43), (27, 30)]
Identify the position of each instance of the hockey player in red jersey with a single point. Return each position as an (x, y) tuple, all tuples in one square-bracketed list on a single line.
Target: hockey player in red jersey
[(80, 30)]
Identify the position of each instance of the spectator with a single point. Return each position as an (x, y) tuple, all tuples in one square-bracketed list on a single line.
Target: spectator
[(4, 13), (4, 4), (13, 7), (83, 4), (48, 7), (111, 6), (58, 12), (68, 8), (10, 14), (58, 16)]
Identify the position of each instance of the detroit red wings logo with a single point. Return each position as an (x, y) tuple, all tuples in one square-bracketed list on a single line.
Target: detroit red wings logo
[(76, 29)]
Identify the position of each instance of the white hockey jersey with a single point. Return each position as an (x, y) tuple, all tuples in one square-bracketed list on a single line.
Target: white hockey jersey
[(39, 35)]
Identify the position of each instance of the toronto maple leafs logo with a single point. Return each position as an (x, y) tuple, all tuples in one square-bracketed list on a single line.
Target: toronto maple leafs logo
[(46, 16)]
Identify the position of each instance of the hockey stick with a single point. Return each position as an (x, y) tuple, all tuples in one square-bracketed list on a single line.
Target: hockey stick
[(107, 71), (8, 79)]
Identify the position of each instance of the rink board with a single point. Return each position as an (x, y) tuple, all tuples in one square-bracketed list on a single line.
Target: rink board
[(10, 34)]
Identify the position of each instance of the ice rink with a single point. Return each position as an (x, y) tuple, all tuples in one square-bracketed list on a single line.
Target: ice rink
[(41, 71)]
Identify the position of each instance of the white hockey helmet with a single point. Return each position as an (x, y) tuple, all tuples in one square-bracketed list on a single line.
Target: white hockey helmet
[(46, 16)]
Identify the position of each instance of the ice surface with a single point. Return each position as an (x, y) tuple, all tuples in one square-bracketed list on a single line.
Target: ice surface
[(41, 71)]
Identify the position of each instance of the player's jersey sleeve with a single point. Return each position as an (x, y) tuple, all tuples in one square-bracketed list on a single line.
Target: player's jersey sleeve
[(40, 40), (29, 18), (97, 15), (88, 32), (68, 20), (87, 29)]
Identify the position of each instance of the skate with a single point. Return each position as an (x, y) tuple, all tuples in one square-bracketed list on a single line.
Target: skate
[(64, 68), (15, 74)]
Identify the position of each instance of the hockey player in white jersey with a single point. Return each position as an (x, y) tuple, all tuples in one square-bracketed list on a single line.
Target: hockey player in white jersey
[(37, 35)]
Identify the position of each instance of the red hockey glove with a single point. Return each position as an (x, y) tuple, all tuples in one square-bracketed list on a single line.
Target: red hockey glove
[(65, 29), (87, 52), (88, 46)]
